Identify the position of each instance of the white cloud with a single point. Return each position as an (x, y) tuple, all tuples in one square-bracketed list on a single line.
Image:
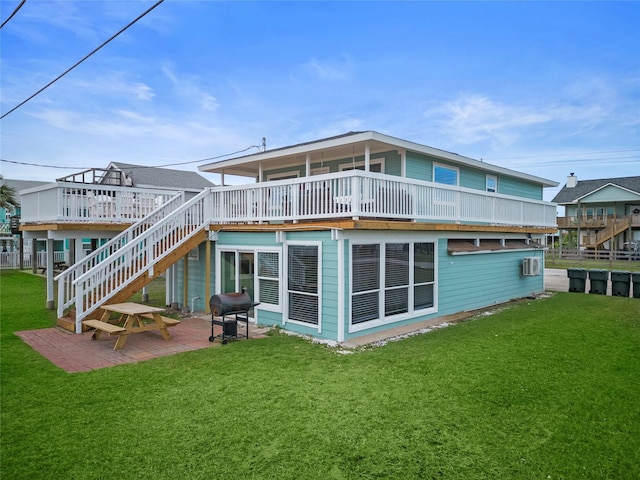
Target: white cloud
[(472, 118), (187, 86), (328, 70)]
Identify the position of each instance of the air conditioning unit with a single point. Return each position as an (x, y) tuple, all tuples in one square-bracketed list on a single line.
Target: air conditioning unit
[(531, 266)]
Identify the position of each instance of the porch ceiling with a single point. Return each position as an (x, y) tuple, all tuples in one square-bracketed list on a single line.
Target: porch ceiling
[(250, 165)]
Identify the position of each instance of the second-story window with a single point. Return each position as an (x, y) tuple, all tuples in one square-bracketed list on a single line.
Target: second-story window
[(492, 184), (444, 174)]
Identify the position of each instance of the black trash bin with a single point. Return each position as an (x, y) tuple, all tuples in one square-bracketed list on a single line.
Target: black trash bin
[(577, 279), (635, 279), (598, 280), (620, 283)]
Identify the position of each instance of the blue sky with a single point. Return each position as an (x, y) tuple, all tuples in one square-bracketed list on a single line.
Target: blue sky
[(547, 88)]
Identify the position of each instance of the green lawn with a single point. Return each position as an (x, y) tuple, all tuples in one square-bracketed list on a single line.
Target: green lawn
[(547, 389)]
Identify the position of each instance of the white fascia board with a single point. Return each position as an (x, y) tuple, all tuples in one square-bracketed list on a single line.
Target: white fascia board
[(373, 136), (288, 151)]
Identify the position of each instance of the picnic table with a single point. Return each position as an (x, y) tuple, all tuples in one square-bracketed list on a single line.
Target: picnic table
[(57, 267), (134, 318)]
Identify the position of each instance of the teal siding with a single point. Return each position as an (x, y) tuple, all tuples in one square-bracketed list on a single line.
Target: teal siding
[(244, 239), (611, 194), (468, 282), (197, 281), (464, 282), (472, 178), (419, 167), (519, 188), (392, 165)]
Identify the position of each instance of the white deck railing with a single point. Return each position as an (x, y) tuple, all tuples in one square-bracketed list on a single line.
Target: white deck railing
[(359, 194), (96, 278), (354, 194), (79, 202)]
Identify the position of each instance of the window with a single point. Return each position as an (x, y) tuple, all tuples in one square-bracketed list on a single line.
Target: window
[(258, 271), (375, 165), (391, 280), (444, 174), (396, 279), (423, 275), (365, 271), (269, 278), (492, 184), (302, 283)]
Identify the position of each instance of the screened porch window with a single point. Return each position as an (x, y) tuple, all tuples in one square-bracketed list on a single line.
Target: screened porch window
[(403, 286), (302, 283)]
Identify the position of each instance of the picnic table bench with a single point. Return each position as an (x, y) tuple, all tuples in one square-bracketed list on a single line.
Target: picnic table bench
[(133, 318)]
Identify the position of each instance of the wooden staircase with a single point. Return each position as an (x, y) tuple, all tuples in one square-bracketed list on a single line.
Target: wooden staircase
[(611, 231), (68, 321)]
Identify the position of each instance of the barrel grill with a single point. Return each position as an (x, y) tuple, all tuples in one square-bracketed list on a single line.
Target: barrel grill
[(236, 305)]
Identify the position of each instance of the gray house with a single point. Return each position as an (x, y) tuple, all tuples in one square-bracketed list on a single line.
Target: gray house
[(604, 213)]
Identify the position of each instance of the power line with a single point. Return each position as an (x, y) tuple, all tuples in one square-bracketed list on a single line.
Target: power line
[(82, 60), (14, 12), (562, 154), (136, 166)]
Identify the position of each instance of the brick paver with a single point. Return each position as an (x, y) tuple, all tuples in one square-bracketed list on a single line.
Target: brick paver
[(78, 353)]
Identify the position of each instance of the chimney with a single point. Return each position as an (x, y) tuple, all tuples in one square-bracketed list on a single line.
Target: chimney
[(572, 181)]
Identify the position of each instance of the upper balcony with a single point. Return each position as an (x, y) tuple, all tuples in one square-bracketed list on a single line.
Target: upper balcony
[(351, 194), (67, 202)]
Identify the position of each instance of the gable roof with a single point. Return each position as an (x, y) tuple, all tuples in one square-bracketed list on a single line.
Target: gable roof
[(143, 176), (585, 187), (345, 145)]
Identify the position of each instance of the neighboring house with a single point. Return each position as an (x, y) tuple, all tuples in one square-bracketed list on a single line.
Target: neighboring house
[(9, 222), (335, 238), (84, 210), (603, 213)]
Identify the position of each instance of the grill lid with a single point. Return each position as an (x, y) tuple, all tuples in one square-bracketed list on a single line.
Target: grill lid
[(234, 302)]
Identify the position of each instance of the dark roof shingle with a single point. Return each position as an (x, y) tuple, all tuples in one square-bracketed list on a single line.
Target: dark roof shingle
[(163, 177), (584, 187)]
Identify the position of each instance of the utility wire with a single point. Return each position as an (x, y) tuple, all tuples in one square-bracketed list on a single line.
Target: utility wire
[(136, 166), (82, 60), (491, 159), (14, 12)]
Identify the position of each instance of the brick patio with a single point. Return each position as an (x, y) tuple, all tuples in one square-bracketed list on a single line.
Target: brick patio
[(79, 353)]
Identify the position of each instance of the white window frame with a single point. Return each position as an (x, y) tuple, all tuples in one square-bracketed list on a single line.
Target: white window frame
[(285, 286), (354, 165), (412, 312), (272, 177), (237, 249), (320, 170), (495, 180)]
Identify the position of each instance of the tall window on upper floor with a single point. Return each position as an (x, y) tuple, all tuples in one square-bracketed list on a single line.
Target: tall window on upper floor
[(492, 184), (445, 174)]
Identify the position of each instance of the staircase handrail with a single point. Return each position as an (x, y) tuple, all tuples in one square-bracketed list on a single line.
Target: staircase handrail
[(94, 287), (612, 230), (66, 279)]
